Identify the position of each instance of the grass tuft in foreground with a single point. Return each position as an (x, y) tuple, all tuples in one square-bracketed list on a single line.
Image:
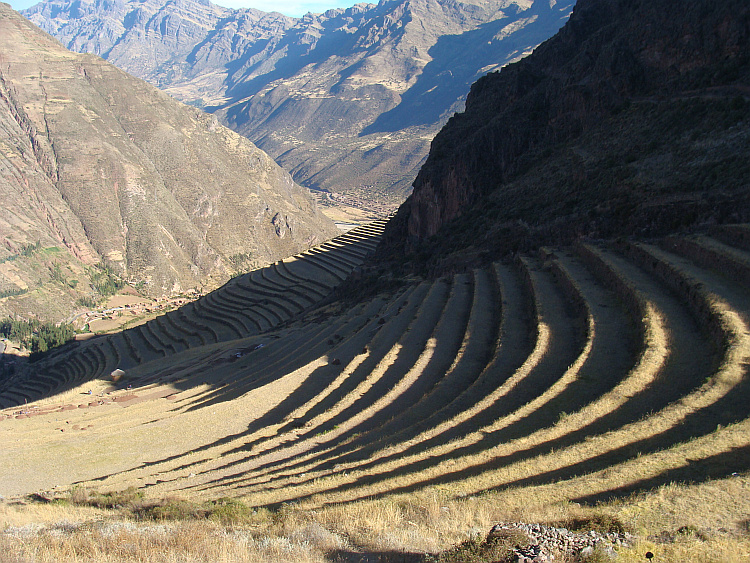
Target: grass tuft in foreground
[(675, 523)]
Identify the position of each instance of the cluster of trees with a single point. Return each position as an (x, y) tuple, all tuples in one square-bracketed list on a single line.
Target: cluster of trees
[(104, 281), (26, 250), (12, 292), (36, 336)]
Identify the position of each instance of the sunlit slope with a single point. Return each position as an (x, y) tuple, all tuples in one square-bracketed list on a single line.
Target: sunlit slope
[(597, 370), (246, 305)]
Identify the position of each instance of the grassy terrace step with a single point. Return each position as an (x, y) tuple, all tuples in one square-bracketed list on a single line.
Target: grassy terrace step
[(326, 346), (356, 366), (76, 368), (695, 296), (335, 263), (221, 305), (206, 312), (303, 288), (734, 235), (62, 370), (189, 334), (245, 309), (384, 331), (109, 349), (104, 363), (587, 372), (362, 244), (124, 350), (549, 305), (277, 307), (365, 345), (14, 398), (296, 294), (309, 274), (337, 256), (666, 428), (349, 251), (254, 313), (163, 343), (307, 349), (712, 254), (686, 427), (388, 359), (88, 362), (242, 309), (187, 315), (145, 342), (580, 420), (454, 368), (372, 233), (422, 361), (437, 369), (39, 386), (317, 263), (254, 287), (513, 344), (132, 349), (176, 338), (373, 230)]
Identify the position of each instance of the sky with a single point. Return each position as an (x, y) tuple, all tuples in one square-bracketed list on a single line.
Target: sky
[(295, 8)]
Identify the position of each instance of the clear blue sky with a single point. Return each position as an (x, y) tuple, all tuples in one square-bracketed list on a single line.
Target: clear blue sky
[(294, 8)]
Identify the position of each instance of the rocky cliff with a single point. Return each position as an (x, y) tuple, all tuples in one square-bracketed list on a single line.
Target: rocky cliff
[(345, 99), (632, 119), (99, 168)]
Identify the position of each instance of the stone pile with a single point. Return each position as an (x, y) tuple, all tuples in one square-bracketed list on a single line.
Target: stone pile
[(547, 542)]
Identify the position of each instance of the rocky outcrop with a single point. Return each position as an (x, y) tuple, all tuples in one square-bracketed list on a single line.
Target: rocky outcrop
[(106, 169), (347, 99), (613, 62), (547, 543)]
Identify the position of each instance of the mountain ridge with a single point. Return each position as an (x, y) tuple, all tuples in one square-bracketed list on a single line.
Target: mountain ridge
[(491, 170), (109, 170), (347, 99)]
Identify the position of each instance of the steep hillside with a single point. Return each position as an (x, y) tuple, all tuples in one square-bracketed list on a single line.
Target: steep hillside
[(347, 100), (634, 119), (607, 377), (100, 168)]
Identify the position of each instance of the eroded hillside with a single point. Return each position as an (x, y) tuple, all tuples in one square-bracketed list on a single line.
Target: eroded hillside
[(633, 119), (347, 100), (599, 368), (103, 169)]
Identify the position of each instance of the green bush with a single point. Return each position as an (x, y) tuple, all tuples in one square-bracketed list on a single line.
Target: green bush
[(104, 281), (87, 302), (496, 548)]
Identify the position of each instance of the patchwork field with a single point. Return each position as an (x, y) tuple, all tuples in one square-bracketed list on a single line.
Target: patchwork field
[(582, 374)]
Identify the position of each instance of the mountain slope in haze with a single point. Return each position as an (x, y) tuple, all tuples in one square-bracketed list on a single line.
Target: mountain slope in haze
[(633, 120), (346, 99), (106, 169)]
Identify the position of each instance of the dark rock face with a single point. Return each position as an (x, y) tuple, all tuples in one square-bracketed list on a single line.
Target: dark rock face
[(348, 98), (611, 56)]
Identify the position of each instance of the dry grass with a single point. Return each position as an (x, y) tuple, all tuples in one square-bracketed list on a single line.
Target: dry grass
[(676, 523), (282, 422)]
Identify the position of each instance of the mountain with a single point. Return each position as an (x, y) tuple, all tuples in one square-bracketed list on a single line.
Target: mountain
[(102, 169), (600, 387), (345, 100), (639, 127)]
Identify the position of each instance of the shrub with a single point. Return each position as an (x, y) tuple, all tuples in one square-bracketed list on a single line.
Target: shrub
[(498, 547), (104, 280), (87, 302), (602, 523)]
